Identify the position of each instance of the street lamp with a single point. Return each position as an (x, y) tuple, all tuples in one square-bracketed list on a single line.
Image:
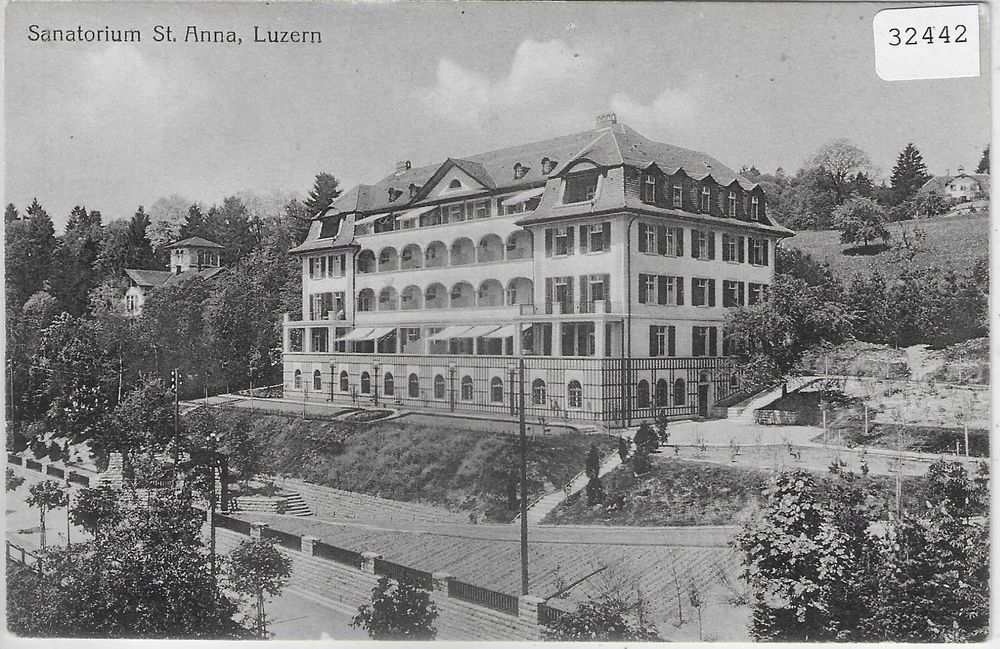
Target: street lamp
[(332, 368), (451, 376), (510, 373), (375, 386), (213, 441)]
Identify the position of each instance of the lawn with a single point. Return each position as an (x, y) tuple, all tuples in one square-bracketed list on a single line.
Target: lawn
[(951, 241), (463, 470)]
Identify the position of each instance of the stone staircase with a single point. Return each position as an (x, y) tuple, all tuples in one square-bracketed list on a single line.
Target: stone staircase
[(295, 505), (114, 475)]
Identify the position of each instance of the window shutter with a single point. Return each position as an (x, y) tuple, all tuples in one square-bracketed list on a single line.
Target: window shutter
[(661, 240), (548, 243), (765, 247), (679, 283), (569, 287), (671, 341), (694, 292), (713, 336), (312, 268), (740, 244), (584, 288), (711, 292), (679, 238), (643, 296), (570, 250), (711, 245), (584, 239), (743, 294), (661, 289), (606, 234), (697, 342), (549, 290), (653, 351), (642, 237), (694, 243), (606, 278)]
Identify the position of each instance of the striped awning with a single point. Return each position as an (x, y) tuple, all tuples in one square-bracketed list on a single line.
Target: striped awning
[(367, 333), (454, 331)]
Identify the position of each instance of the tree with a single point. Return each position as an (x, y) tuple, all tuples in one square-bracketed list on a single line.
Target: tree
[(398, 611), (73, 274), (10, 213), (661, 422), (195, 225), (861, 220), (984, 162), (841, 159), (599, 621), (13, 480), (325, 189), (257, 568), (243, 449), (29, 247), (645, 439), (143, 420), (909, 174), (46, 495), (97, 510)]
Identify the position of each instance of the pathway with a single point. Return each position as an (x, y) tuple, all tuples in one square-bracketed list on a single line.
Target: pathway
[(541, 507)]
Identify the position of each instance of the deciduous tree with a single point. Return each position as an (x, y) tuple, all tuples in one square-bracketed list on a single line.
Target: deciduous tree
[(46, 495), (398, 611), (258, 569), (600, 621), (861, 220)]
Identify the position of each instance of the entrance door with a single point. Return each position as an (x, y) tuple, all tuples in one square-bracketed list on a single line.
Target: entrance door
[(703, 399)]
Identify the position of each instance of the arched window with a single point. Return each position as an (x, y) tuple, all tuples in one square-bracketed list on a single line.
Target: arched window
[(538, 392), (366, 383), (679, 394), (662, 393), (642, 394), (439, 387), (389, 385), (455, 184), (466, 388), (496, 389), (345, 383), (575, 392), (366, 300), (413, 387), (317, 381), (298, 379)]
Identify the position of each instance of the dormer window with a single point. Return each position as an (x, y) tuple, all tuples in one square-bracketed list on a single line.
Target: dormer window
[(706, 199), (413, 190), (455, 184), (678, 196), (394, 194), (519, 170), (580, 188), (547, 166), (732, 204), (755, 208), (648, 190)]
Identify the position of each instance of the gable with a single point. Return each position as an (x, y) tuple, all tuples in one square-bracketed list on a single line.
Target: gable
[(445, 186)]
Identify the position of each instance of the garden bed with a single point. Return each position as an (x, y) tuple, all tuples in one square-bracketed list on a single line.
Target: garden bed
[(924, 439)]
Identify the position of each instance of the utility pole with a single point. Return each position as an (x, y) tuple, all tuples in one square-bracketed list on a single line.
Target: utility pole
[(213, 440), (524, 483), (176, 384)]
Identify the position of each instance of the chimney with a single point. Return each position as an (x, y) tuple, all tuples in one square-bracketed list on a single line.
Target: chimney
[(605, 120), (401, 166)]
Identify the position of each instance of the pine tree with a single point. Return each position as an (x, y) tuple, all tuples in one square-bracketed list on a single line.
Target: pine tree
[(324, 191), (10, 213), (74, 272), (909, 174), (194, 225), (140, 248), (29, 247), (984, 162)]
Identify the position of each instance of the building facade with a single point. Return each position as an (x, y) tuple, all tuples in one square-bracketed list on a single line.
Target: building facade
[(603, 261), (189, 257)]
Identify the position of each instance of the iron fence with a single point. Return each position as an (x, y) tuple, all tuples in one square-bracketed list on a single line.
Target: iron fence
[(34, 465), (284, 539), (79, 479), (483, 596), (419, 578), (547, 614), (14, 459), (54, 471), (340, 555)]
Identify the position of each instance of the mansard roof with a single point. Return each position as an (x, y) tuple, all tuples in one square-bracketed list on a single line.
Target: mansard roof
[(148, 277)]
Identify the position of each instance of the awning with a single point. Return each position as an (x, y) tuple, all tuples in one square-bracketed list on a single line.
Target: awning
[(454, 331), (378, 333), (480, 331), (505, 331), (415, 213), (521, 197), (357, 334), (373, 217)]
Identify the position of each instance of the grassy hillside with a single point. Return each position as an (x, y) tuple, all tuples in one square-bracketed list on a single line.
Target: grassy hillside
[(951, 241), (462, 470)]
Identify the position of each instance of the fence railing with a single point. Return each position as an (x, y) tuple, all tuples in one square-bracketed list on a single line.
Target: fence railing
[(483, 596), (54, 471), (421, 579), (340, 555), (285, 539), (14, 459), (34, 465), (232, 524), (18, 554), (81, 480), (547, 614)]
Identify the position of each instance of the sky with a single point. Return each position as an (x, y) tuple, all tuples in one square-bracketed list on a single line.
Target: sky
[(115, 126)]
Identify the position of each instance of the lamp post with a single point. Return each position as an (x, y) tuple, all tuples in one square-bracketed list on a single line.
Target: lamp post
[(524, 482), (375, 382), (213, 441), (451, 386), (510, 389), (332, 368)]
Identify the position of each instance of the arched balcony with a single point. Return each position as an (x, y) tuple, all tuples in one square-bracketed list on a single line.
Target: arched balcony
[(411, 257), (388, 299), (519, 245), (388, 259), (366, 300), (366, 262), (436, 297), (462, 252), (462, 295), (490, 248), (490, 293), (411, 298), (520, 290), (435, 255)]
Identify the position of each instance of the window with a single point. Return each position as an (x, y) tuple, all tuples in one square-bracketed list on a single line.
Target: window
[(647, 238), (757, 252), (466, 388), (668, 290), (366, 262), (389, 385), (295, 337), (702, 291), (413, 386), (558, 242), (317, 381), (481, 209), (756, 293), (678, 196), (538, 392), (319, 337), (661, 396), (702, 244), (366, 300), (298, 379), (326, 266), (642, 394), (679, 392), (455, 213), (593, 288), (706, 199), (438, 386), (496, 389), (755, 208), (577, 338), (366, 383), (595, 238), (648, 192), (670, 241), (647, 289), (455, 184), (559, 290), (345, 382), (580, 188), (703, 341), (732, 248), (733, 293), (732, 204), (662, 340), (575, 392)]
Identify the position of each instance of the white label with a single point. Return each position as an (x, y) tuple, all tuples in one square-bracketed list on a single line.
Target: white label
[(927, 43)]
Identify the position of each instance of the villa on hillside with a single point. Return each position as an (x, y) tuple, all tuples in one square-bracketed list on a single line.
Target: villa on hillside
[(962, 187), (605, 260), (189, 257)]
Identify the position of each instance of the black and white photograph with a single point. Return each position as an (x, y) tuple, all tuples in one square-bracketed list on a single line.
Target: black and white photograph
[(622, 322)]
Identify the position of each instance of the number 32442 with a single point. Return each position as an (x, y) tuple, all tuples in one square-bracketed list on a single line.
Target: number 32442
[(909, 35)]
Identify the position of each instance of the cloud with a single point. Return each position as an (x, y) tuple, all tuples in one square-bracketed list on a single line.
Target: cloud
[(540, 74), (119, 76), (672, 110)]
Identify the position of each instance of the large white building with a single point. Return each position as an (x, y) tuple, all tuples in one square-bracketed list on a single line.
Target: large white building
[(606, 260)]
